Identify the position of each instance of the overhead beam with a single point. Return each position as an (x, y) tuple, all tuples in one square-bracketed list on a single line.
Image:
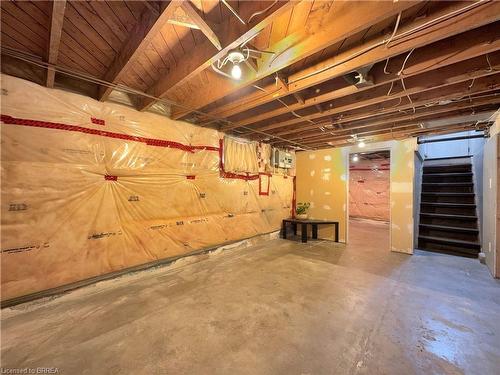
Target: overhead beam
[(412, 86), (434, 56), (191, 12), (337, 21), (232, 34), (56, 24), (416, 131), (399, 117), (375, 113), (363, 55), (438, 112), (441, 96), (147, 27)]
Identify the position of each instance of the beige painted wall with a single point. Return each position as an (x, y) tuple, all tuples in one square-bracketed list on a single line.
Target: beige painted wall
[(322, 179), (491, 197)]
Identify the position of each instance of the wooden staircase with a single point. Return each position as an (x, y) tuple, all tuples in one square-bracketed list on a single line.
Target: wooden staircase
[(448, 215)]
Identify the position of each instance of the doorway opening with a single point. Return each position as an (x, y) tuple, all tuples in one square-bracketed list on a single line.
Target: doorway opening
[(369, 198)]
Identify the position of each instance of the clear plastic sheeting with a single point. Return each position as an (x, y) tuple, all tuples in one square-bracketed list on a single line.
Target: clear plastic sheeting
[(240, 155), (89, 188), (369, 183)]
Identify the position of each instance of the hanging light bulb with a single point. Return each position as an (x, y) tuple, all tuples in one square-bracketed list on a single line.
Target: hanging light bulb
[(361, 144), (236, 71), (355, 158)]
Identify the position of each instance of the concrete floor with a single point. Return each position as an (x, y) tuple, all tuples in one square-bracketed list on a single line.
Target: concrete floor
[(278, 308)]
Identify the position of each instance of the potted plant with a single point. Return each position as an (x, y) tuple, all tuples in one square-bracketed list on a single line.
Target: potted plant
[(301, 210)]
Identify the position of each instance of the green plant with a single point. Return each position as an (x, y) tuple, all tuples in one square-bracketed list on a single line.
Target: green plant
[(302, 208)]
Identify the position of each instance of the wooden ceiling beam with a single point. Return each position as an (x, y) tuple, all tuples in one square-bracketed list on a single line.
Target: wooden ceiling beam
[(401, 134), (232, 34), (433, 98), (337, 21), (147, 27), (434, 56), (191, 12), (415, 85), (56, 24), (404, 121), (355, 58), (421, 112), (374, 114)]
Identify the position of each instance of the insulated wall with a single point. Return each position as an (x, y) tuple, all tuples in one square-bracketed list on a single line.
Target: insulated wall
[(89, 188), (369, 189)]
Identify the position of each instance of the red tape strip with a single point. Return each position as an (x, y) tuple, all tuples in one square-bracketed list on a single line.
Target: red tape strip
[(59, 126), (97, 121)]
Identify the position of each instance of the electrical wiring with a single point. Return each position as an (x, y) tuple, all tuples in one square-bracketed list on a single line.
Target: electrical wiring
[(441, 18), (472, 83), (394, 39), (261, 11), (399, 74), (490, 69), (385, 66), (408, 96), (390, 88), (284, 104), (395, 30), (404, 62)]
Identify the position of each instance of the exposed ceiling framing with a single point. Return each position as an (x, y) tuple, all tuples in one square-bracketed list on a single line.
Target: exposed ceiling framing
[(320, 73)]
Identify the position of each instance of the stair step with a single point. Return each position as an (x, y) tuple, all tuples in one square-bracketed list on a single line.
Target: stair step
[(451, 241), (449, 183), (450, 229), (467, 205), (448, 216), (438, 193), (450, 174), (448, 168), (450, 157)]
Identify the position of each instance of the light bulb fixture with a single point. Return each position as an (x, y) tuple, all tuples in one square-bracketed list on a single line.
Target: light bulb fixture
[(236, 57), (361, 144), (355, 158), (236, 71)]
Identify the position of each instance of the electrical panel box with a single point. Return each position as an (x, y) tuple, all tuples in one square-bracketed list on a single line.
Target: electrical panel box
[(282, 159)]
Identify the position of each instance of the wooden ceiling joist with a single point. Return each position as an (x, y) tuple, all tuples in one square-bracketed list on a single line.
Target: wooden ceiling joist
[(453, 107), (431, 81), (340, 21), (427, 108), (147, 27), (191, 12), (56, 25), (434, 56), (232, 33), (331, 68), (446, 112), (413, 131)]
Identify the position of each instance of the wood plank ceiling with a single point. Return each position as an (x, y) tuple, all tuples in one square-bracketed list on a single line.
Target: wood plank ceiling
[(422, 61)]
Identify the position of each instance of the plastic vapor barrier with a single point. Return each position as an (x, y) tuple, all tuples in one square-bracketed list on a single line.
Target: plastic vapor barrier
[(369, 190), (89, 188)]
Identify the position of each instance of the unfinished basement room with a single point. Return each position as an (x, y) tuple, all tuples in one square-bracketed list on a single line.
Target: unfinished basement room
[(250, 187)]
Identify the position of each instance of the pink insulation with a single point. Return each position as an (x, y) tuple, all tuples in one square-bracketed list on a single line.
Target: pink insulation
[(369, 189)]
